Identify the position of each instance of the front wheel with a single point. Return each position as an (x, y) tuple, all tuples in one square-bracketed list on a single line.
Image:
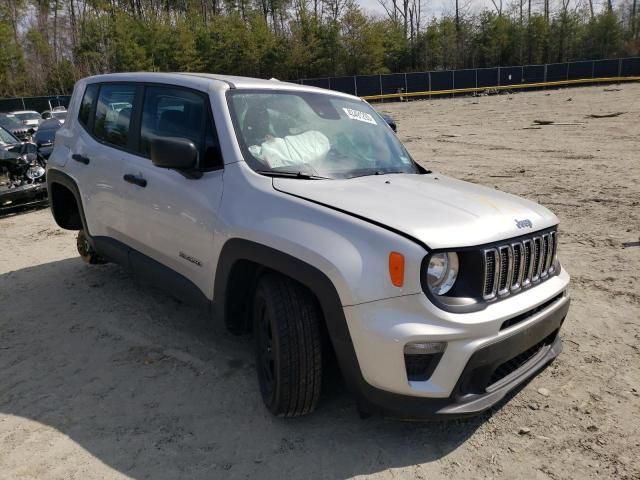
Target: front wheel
[(288, 345)]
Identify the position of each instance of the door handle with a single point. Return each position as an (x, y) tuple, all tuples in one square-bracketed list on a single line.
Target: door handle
[(141, 182), (80, 158)]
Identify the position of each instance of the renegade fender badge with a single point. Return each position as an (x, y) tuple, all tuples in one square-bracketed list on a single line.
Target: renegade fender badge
[(189, 258), (526, 223)]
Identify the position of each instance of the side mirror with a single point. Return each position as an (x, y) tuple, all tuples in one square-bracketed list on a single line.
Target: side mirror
[(173, 152), (390, 121)]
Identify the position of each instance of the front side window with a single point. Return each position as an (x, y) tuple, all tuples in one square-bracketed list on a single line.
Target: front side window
[(171, 112), (315, 134), (176, 112), (113, 113)]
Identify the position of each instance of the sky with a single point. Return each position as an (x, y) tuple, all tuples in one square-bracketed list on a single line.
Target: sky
[(436, 8), (433, 7)]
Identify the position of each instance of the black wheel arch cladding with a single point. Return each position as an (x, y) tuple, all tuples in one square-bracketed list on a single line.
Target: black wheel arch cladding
[(315, 280), (57, 178)]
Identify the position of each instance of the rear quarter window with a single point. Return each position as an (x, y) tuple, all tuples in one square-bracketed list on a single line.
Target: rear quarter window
[(86, 106)]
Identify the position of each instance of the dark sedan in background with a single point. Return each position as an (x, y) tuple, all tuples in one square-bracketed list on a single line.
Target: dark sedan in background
[(13, 125), (22, 174), (45, 136)]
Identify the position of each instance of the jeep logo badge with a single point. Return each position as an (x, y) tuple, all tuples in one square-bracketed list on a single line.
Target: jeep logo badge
[(523, 223)]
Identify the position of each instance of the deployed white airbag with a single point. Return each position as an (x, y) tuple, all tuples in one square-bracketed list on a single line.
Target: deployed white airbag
[(308, 147)]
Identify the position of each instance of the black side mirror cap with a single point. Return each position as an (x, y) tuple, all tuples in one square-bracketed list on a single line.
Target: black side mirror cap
[(174, 152), (390, 121)]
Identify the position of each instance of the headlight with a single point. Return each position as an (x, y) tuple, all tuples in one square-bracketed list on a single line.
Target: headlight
[(442, 272), (34, 172)]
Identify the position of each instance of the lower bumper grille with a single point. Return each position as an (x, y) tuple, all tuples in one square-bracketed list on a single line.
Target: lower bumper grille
[(488, 368), (522, 317), (507, 368)]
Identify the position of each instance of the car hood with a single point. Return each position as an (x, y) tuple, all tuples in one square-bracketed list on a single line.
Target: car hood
[(439, 211)]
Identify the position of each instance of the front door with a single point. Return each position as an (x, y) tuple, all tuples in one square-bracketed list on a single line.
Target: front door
[(171, 215)]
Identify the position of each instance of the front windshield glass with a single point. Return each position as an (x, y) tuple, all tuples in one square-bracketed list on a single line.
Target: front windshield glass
[(315, 134), (7, 138), (9, 122), (27, 116), (59, 115)]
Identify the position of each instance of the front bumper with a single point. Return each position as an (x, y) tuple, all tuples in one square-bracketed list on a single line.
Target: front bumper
[(21, 197), (483, 360)]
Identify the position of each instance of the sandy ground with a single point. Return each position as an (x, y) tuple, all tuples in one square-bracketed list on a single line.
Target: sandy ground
[(102, 377)]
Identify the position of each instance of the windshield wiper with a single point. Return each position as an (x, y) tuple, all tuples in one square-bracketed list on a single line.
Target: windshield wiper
[(301, 175), (368, 173)]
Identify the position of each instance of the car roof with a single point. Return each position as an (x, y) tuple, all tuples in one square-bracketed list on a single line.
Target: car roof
[(24, 111), (210, 81)]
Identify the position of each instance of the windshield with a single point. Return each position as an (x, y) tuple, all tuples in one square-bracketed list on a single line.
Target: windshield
[(27, 116), (9, 122), (7, 138), (315, 134), (59, 115)]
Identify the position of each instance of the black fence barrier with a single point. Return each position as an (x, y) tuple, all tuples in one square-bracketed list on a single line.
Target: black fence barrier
[(38, 104), (429, 83), (479, 78)]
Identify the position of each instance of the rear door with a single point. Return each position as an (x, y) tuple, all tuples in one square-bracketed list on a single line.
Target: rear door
[(171, 215), (95, 149)]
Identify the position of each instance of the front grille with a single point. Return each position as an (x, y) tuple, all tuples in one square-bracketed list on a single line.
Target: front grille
[(510, 267), (21, 134), (490, 272), (504, 270), (516, 274)]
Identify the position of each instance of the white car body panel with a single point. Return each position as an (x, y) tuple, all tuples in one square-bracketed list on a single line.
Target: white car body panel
[(380, 334), (168, 228), (440, 211)]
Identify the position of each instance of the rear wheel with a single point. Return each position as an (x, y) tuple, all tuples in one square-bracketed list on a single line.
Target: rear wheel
[(86, 251), (288, 344)]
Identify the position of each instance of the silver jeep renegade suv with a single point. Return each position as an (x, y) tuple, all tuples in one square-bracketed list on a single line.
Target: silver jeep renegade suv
[(296, 214)]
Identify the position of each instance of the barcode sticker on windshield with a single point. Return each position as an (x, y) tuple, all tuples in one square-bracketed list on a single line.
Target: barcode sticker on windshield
[(360, 116)]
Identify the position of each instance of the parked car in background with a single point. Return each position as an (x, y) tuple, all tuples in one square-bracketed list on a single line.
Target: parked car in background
[(22, 174), (45, 136), (59, 113), (17, 129), (390, 121), (28, 118)]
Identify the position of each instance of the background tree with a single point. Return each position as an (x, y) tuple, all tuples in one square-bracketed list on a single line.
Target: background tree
[(46, 45)]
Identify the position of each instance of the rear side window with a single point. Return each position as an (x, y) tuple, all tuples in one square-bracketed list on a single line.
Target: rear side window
[(176, 112), (113, 114), (87, 104)]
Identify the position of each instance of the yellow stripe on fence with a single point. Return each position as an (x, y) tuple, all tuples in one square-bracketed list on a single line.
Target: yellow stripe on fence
[(504, 87)]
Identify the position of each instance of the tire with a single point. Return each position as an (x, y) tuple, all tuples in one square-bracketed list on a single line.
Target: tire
[(86, 251), (288, 345)]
